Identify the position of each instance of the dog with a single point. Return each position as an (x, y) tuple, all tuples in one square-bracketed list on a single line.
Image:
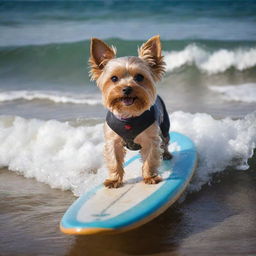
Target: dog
[(137, 118)]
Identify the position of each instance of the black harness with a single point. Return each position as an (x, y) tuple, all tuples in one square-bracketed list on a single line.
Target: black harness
[(130, 128)]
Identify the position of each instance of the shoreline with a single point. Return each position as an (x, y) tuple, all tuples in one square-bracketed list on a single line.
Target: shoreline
[(218, 216)]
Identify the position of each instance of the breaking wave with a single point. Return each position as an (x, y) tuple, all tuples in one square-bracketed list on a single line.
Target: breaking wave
[(211, 62), (70, 158), (54, 96)]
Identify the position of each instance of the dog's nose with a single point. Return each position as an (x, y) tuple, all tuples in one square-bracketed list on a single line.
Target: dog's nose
[(127, 90)]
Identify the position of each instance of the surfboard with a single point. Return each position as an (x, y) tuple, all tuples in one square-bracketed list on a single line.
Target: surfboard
[(103, 210)]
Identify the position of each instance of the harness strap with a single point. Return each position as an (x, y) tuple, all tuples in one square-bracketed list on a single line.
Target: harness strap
[(130, 128)]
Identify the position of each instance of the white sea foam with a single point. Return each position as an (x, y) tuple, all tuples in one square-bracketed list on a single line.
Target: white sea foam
[(50, 151), (220, 143), (211, 62), (69, 157), (57, 97), (243, 92)]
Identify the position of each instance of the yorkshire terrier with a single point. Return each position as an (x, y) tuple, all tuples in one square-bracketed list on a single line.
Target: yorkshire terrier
[(137, 118)]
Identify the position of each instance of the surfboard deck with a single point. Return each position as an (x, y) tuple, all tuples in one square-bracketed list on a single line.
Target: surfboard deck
[(103, 210)]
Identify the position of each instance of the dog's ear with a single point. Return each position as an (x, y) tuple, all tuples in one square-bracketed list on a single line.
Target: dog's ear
[(151, 52), (100, 54)]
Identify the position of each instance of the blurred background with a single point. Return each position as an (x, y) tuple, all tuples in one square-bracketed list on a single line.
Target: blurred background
[(209, 47)]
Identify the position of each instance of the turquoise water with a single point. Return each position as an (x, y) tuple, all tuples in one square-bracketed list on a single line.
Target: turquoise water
[(44, 47), (54, 21)]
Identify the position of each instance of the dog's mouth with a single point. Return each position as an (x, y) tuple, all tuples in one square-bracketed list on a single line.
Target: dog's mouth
[(128, 101)]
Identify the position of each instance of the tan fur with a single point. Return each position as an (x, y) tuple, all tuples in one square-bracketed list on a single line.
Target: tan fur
[(151, 53), (114, 154), (151, 153), (150, 64), (98, 59), (126, 68)]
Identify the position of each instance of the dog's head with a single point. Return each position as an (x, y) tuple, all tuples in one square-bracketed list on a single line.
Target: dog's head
[(127, 83)]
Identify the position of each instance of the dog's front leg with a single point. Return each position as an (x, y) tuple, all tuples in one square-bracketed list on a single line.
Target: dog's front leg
[(151, 154), (114, 154)]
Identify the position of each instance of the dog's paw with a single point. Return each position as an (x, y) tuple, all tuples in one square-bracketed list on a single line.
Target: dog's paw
[(153, 180), (167, 155), (112, 183)]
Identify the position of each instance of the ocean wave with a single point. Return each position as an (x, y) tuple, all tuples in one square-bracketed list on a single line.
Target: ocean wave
[(67, 63), (242, 93), (211, 62), (125, 29), (57, 97), (70, 158), (220, 143)]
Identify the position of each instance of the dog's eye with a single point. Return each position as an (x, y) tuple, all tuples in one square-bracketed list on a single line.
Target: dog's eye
[(138, 78), (114, 79)]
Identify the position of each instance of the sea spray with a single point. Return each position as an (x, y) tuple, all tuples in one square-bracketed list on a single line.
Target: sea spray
[(50, 151), (220, 143), (70, 158)]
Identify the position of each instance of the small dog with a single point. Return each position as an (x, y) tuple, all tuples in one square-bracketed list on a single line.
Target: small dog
[(137, 118)]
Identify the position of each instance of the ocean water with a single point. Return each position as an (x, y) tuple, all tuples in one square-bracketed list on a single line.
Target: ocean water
[(51, 119)]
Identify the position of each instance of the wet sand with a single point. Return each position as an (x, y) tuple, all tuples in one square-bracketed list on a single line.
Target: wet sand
[(220, 219)]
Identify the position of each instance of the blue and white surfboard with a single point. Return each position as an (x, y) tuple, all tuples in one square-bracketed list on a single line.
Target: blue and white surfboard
[(104, 210)]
